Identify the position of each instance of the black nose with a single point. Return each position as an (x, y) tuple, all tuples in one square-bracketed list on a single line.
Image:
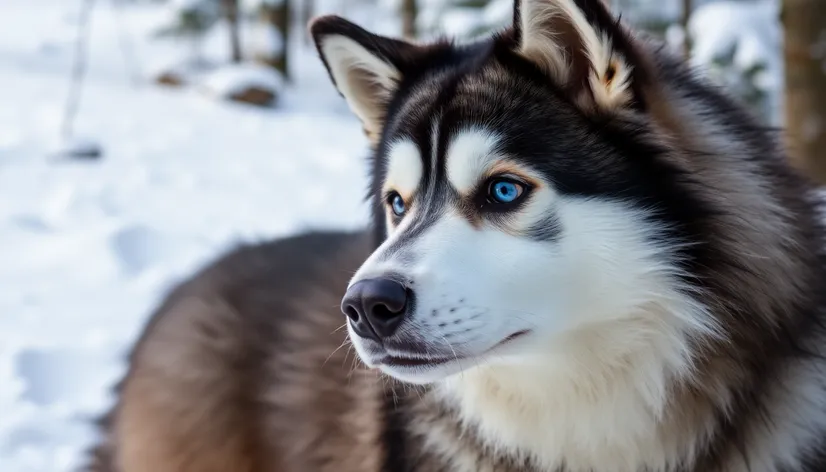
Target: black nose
[(375, 307)]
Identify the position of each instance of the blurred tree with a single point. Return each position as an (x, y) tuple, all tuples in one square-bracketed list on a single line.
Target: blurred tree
[(230, 11), (804, 23), (307, 13), (277, 14), (684, 19), (193, 19), (75, 148), (409, 14)]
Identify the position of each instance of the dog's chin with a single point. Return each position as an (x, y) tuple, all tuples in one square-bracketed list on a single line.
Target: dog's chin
[(410, 367), (426, 373), (426, 368)]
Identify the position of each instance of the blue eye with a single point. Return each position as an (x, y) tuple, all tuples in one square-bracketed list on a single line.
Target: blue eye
[(397, 204), (505, 191)]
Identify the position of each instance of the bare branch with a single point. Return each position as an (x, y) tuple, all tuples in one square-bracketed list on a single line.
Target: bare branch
[(79, 67)]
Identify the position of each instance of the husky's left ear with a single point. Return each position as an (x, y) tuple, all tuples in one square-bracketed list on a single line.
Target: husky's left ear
[(583, 48), (365, 67)]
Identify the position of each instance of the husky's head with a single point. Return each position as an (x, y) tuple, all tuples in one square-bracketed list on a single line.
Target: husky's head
[(523, 202), (534, 203)]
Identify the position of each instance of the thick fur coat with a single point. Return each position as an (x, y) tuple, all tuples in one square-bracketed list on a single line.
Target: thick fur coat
[(604, 265)]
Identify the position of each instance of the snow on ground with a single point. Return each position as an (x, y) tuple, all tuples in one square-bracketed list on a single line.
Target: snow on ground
[(88, 247)]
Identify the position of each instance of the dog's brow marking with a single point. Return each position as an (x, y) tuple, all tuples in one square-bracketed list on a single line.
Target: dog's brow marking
[(404, 168), (434, 152), (469, 155)]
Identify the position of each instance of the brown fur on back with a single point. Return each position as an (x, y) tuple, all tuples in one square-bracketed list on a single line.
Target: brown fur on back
[(234, 371)]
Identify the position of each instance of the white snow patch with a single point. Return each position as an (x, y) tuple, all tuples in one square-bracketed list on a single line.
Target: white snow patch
[(498, 12), (262, 39), (459, 21), (231, 79), (750, 28)]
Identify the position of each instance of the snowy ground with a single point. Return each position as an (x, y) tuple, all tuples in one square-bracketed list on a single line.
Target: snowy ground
[(87, 248)]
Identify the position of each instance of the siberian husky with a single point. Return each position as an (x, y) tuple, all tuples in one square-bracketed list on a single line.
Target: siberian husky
[(585, 258)]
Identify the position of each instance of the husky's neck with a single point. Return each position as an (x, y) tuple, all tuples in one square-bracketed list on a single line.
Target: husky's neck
[(600, 406)]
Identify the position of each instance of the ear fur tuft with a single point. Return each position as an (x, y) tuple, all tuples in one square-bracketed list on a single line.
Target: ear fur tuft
[(581, 47)]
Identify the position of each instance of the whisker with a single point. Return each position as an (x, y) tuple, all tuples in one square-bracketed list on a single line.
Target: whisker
[(344, 325), (346, 355), (346, 341)]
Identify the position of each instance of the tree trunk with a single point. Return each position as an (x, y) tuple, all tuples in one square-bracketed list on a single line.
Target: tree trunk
[(409, 13), (278, 16), (687, 9), (307, 13), (231, 15), (804, 22)]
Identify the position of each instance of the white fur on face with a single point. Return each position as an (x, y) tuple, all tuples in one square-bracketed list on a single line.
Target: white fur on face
[(592, 386), (607, 318), (477, 286), (404, 169), (470, 154), (463, 315)]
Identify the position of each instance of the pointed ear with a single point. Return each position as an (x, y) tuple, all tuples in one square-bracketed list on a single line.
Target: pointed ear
[(582, 47), (365, 68)]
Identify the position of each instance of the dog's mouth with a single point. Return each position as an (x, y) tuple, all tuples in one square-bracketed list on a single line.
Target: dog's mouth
[(410, 360), (510, 338), (399, 361)]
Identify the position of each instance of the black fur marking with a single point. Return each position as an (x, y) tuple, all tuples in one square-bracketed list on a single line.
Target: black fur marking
[(395, 438), (547, 230)]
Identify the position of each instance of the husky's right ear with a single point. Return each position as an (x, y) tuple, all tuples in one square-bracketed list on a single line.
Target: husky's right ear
[(584, 49), (365, 68)]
